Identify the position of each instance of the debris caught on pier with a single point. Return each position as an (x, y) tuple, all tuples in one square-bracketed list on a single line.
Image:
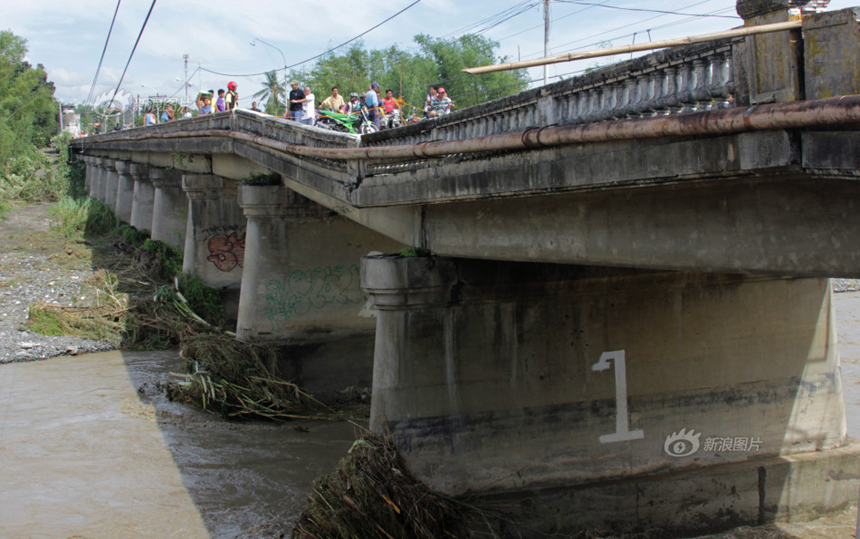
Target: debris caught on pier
[(373, 495)]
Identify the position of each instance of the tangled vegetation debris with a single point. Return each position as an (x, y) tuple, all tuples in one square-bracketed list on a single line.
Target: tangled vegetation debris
[(141, 300), (373, 495)]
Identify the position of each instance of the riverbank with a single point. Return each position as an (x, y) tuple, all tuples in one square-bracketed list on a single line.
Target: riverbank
[(40, 266)]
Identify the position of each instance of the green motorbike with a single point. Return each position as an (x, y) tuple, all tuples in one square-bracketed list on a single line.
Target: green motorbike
[(355, 123)]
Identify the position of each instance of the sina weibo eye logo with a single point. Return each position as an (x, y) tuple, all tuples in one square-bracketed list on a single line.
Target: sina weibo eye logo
[(682, 443)]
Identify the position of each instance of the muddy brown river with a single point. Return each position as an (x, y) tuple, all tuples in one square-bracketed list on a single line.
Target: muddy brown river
[(84, 454), (90, 448)]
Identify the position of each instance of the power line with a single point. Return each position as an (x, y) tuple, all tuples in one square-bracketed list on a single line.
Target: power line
[(578, 3), (592, 36), (130, 56), (318, 55), (98, 69)]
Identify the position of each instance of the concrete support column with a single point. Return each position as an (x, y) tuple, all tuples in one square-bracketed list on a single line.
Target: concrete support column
[(124, 191), (97, 186), (301, 287), (528, 379), (170, 207), (112, 184), (143, 197), (88, 170), (215, 236)]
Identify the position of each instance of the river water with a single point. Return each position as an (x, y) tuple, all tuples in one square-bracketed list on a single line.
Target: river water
[(90, 447)]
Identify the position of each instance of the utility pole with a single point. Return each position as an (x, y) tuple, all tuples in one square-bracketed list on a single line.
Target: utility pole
[(545, 39), (185, 57)]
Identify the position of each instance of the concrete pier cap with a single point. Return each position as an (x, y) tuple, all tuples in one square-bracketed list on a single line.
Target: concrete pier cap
[(612, 398)]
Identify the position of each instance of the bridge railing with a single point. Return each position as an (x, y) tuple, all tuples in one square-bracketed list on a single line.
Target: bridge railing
[(684, 79), (247, 122)]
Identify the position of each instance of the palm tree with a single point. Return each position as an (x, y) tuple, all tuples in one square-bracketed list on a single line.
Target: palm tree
[(270, 92)]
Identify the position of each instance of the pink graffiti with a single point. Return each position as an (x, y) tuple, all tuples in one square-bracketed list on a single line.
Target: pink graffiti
[(227, 251)]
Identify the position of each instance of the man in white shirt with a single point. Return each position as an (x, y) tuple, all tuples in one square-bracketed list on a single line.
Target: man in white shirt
[(308, 112)]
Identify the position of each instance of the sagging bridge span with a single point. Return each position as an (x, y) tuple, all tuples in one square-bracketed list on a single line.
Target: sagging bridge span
[(627, 312)]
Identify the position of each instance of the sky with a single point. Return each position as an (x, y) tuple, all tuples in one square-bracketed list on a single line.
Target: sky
[(68, 37)]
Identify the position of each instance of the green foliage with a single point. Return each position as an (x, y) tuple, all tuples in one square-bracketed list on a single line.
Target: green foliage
[(171, 259), (3, 209), (83, 216), (28, 118), (413, 252), (203, 300), (68, 168), (100, 219), (71, 215), (133, 236), (272, 94), (409, 74)]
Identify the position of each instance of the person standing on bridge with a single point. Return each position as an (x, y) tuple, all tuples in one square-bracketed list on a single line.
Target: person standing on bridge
[(231, 100), (334, 101), (371, 101), (308, 112), (297, 99), (428, 103), (220, 106)]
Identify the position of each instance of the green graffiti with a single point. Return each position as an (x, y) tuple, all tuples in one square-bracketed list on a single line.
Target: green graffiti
[(306, 290)]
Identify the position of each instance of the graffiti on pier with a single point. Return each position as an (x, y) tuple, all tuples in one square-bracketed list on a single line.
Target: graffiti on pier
[(226, 247), (305, 290)]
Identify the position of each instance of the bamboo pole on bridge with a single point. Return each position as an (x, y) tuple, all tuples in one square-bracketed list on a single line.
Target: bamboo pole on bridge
[(621, 49)]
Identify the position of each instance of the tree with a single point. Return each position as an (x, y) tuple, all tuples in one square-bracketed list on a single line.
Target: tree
[(28, 111), (271, 90), (451, 56), (409, 74)]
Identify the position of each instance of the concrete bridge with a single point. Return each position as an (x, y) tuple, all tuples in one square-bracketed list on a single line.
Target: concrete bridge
[(627, 318)]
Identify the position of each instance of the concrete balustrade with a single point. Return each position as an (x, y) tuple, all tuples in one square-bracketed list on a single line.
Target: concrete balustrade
[(124, 191), (170, 207), (215, 236), (143, 197), (301, 286), (498, 377)]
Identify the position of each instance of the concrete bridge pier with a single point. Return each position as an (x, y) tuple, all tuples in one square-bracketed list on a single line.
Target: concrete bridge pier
[(97, 186), (612, 399), (112, 183), (301, 288), (170, 207), (89, 170), (215, 236), (124, 191), (143, 197)]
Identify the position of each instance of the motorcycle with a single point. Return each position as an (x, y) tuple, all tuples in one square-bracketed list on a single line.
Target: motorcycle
[(394, 120), (354, 123)]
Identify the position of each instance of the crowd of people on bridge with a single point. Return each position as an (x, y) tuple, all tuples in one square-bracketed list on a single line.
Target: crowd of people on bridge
[(302, 106)]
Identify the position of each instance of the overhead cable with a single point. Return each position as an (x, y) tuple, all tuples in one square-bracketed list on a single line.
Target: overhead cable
[(130, 56), (98, 69), (318, 55), (578, 3)]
